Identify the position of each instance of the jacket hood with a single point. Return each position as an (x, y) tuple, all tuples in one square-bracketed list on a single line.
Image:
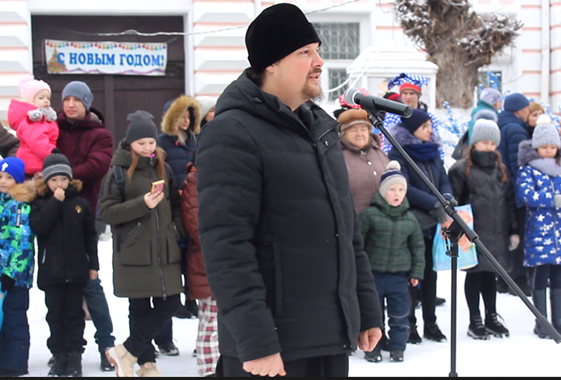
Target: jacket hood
[(173, 116), (43, 189), (404, 137), (17, 111), (246, 96), (383, 205), (24, 192), (93, 119)]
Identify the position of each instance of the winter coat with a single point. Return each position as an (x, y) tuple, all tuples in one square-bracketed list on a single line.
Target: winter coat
[(178, 155), (539, 180), (66, 236), (282, 246), (89, 147), (365, 168), (196, 275), (38, 137), (9, 143), (146, 256), (420, 197), (481, 105), (17, 241), (513, 132), (393, 239), (493, 205)]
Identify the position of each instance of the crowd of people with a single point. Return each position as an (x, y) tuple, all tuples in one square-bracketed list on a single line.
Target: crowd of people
[(294, 237)]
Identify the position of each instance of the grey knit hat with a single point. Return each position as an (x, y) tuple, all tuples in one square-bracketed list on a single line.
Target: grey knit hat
[(485, 129), (391, 176), (141, 125), (545, 134), (79, 90), (56, 163), (486, 114), (490, 95)]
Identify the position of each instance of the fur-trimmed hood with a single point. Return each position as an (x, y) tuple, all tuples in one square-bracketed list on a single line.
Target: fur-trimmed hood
[(404, 137), (42, 187), (172, 118), (24, 192)]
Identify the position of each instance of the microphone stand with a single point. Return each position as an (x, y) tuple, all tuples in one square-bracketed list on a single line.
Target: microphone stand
[(454, 233)]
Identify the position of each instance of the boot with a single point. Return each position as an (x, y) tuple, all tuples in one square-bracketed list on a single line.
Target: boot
[(539, 298), (373, 356), (555, 299), (432, 332), (494, 326), (58, 368), (122, 360), (148, 370), (476, 328), (74, 364), (414, 337)]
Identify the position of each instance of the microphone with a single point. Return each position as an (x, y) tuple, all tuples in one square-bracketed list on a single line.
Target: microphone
[(374, 103)]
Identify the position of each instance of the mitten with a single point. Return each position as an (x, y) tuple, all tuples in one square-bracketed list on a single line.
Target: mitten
[(35, 115), (438, 213), (7, 283), (557, 200), (514, 241), (50, 114)]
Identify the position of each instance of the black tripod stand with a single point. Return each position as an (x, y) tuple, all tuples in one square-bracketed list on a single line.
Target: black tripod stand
[(454, 233)]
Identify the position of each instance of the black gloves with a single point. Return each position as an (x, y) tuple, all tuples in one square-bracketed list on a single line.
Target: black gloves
[(7, 283), (450, 199), (438, 213)]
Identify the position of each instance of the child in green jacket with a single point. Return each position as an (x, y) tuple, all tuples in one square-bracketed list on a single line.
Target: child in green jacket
[(393, 241)]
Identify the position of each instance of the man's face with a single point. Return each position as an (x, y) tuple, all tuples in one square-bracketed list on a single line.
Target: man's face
[(295, 79), (73, 108), (410, 97), (523, 114)]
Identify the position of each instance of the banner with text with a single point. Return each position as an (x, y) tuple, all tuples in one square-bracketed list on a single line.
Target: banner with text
[(126, 58)]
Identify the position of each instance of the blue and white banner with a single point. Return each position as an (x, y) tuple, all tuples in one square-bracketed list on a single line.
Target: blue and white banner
[(126, 58)]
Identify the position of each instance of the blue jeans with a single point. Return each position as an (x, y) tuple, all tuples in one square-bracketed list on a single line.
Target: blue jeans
[(393, 288), (99, 311)]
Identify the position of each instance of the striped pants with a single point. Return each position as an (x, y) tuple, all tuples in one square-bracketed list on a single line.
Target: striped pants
[(207, 337)]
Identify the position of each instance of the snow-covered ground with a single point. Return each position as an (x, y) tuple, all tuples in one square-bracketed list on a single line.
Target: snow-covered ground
[(522, 354)]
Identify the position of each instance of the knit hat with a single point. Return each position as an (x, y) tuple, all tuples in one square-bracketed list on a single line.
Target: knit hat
[(141, 125), (490, 95), (391, 176), (483, 130), (167, 105), (392, 96), (515, 102), (352, 117), (79, 90), (275, 33), (408, 81), (413, 122), (56, 163), (410, 86), (545, 134), (543, 119), (15, 167), (29, 88), (206, 102), (486, 114)]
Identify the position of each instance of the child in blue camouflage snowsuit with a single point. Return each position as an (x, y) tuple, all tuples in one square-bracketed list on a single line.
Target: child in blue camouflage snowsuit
[(16, 265)]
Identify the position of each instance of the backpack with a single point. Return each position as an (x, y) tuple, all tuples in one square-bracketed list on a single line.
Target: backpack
[(120, 178)]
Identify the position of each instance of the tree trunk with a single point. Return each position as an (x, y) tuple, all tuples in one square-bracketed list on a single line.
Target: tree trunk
[(455, 81)]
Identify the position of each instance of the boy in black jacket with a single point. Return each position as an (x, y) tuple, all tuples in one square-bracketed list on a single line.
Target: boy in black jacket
[(65, 226)]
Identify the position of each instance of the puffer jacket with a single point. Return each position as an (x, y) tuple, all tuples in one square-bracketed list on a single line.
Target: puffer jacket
[(88, 145), (279, 234), (17, 241), (539, 181), (493, 205), (365, 168), (66, 236), (146, 255), (196, 275), (178, 155), (37, 138)]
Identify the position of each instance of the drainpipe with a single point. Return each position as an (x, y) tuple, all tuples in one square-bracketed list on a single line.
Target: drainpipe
[(546, 51)]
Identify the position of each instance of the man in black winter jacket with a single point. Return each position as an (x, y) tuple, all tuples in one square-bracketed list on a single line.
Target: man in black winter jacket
[(280, 238)]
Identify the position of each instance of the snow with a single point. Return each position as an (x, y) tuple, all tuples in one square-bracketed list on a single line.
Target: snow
[(522, 354)]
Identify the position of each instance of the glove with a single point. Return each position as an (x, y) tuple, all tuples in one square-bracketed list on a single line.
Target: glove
[(557, 200), (514, 241), (438, 213), (450, 199), (7, 283)]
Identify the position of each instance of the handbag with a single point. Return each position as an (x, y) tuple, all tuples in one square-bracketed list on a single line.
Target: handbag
[(461, 146), (467, 255)]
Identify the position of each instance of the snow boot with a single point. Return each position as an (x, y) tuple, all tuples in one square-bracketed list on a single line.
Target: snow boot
[(148, 370), (539, 298), (414, 337), (122, 359), (374, 356), (494, 326), (58, 368), (396, 356), (74, 364), (477, 330), (432, 332), (555, 299)]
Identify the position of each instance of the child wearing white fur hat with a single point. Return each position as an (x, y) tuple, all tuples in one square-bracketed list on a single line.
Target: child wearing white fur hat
[(394, 244)]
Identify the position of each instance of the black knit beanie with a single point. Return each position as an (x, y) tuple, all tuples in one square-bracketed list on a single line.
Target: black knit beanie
[(141, 125), (56, 163), (413, 122), (277, 32)]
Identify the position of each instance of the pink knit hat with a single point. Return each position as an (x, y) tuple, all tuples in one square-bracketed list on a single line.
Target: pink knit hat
[(29, 87)]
